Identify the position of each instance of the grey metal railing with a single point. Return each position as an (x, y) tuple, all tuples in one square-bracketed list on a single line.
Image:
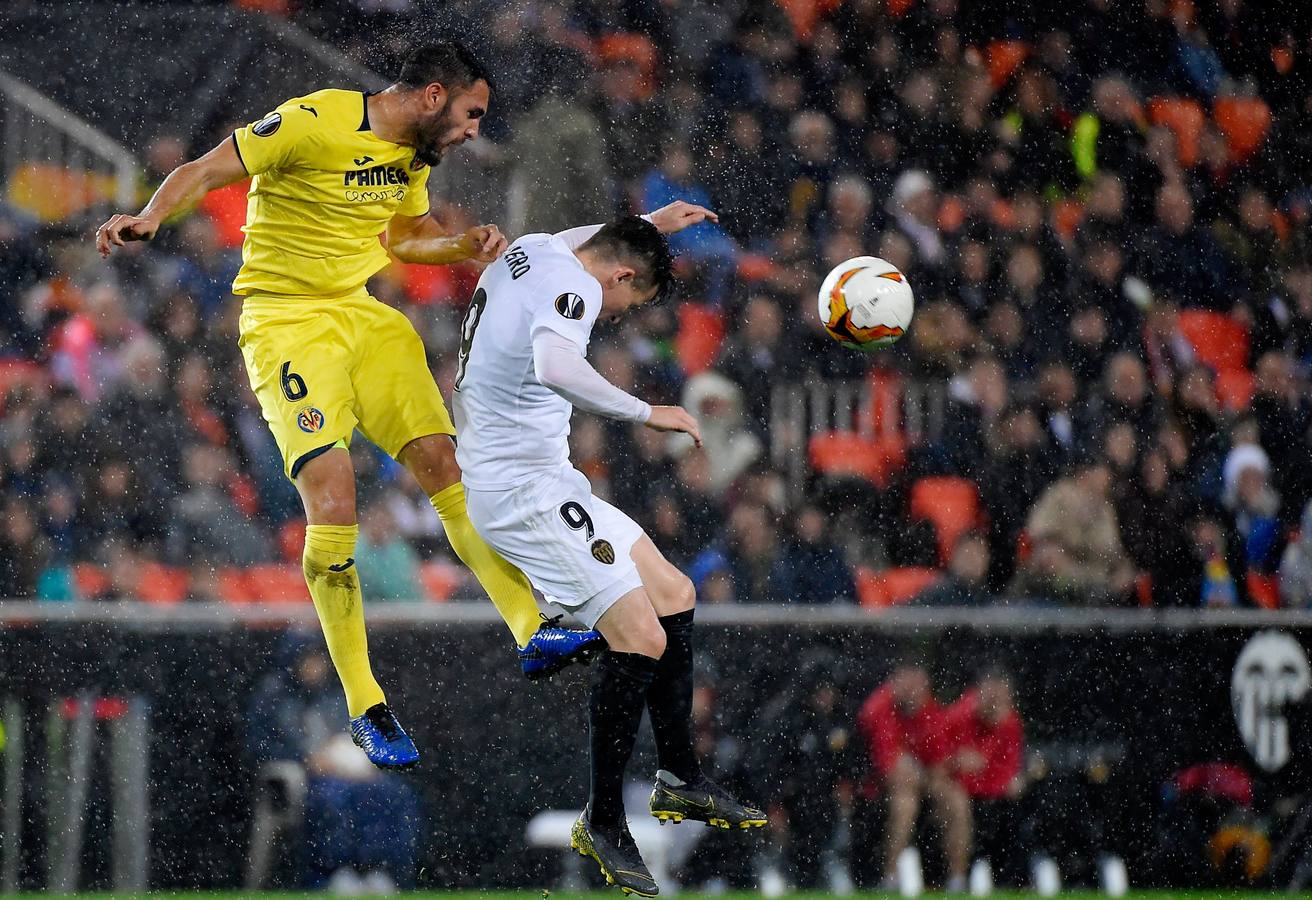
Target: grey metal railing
[(37, 130)]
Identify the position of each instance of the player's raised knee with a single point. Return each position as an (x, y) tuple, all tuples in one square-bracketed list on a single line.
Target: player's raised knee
[(646, 638), (685, 593)]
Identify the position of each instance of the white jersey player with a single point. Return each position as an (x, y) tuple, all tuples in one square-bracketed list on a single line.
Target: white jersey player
[(522, 372)]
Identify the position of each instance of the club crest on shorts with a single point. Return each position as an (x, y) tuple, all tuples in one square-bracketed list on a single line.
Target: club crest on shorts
[(570, 306), (267, 126), (603, 552), (310, 420)]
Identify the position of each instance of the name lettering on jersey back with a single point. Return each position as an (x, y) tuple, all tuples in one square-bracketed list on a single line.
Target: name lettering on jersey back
[(517, 260), (376, 175)]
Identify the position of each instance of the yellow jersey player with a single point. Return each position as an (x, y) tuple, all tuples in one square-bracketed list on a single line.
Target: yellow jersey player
[(332, 172)]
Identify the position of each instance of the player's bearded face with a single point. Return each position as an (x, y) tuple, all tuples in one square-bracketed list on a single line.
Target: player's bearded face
[(456, 122), (435, 135)]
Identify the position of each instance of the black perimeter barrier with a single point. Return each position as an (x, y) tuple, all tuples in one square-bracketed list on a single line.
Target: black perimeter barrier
[(1133, 696)]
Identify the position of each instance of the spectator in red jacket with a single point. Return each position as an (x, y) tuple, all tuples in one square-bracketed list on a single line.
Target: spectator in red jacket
[(910, 751), (989, 740)]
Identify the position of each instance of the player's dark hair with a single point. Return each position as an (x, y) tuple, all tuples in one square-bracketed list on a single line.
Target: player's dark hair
[(636, 241), (449, 63)]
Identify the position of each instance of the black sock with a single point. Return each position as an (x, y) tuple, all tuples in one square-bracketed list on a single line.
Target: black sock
[(619, 691), (669, 700)]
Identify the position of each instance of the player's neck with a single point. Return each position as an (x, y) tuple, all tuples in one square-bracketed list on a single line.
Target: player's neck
[(387, 119)]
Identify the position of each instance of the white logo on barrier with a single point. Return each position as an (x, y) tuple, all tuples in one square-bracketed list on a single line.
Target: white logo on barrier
[(1270, 673)]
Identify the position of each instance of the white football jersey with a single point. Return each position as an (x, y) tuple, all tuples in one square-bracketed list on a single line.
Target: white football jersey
[(509, 427)]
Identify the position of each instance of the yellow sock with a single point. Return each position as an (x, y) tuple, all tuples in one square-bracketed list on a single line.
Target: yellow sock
[(506, 585), (334, 584)]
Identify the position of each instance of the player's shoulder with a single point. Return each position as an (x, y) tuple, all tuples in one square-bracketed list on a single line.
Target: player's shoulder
[(554, 263), (330, 109)]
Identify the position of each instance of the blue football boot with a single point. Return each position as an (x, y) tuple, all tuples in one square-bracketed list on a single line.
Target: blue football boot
[(552, 648), (383, 739)]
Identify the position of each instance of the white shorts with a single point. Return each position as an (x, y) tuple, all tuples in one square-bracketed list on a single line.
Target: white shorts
[(573, 546)]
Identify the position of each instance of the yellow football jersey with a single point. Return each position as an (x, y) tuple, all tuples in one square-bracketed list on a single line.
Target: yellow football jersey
[(324, 189)]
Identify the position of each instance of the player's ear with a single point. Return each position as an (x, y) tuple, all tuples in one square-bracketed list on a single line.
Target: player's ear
[(435, 95), (623, 275)]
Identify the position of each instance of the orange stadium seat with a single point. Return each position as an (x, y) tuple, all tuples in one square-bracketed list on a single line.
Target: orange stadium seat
[(15, 372), (159, 583), (1143, 589), (847, 453), (805, 14), (883, 412), (1186, 118), (1244, 121), (1004, 58), (234, 587), (892, 587), (1066, 217), (90, 579), (291, 540), (904, 584), (1263, 590), (754, 267), (277, 583), (950, 504), (1219, 340), (701, 332), (440, 580), (1234, 389)]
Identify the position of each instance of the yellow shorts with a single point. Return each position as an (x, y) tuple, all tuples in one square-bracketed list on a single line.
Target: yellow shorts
[(322, 368)]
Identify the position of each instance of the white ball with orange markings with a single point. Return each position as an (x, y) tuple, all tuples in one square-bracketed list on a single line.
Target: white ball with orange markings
[(866, 303)]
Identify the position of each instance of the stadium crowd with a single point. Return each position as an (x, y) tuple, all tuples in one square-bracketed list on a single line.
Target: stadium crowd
[(1103, 211)]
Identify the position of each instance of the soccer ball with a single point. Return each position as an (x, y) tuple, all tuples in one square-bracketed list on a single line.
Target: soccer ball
[(866, 303)]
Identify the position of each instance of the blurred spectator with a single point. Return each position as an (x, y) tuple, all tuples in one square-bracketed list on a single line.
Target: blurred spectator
[(24, 552), (1296, 566), (965, 583), (204, 520), (706, 244), (1075, 545), (806, 766), (1284, 417), (913, 207), (716, 857), (750, 556), (1181, 259), (1153, 514), (819, 573), (910, 749), (729, 445), (389, 567), (357, 818), (1253, 506), (757, 358), (990, 742), (1020, 466), (560, 155)]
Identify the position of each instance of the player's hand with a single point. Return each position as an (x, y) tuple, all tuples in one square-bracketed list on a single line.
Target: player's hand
[(680, 215), (675, 418), (485, 243), (122, 228)]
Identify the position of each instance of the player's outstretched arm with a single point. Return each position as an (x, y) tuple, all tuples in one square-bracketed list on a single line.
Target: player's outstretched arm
[(668, 219), (561, 367), (178, 195), (422, 239), (680, 215)]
